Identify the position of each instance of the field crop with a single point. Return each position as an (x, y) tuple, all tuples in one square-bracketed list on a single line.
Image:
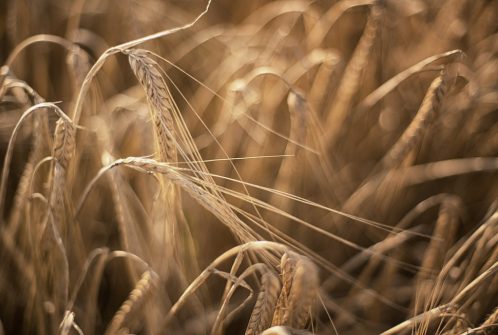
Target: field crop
[(287, 167)]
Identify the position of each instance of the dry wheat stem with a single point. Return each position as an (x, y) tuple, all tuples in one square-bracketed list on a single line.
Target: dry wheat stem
[(67, 323), (162, 111), (424, 317), (373, 98), (64, 290), (222, 318), (480, 280), (10, 83), (41, 38)]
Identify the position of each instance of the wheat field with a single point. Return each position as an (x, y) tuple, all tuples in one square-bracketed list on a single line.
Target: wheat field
[(288, 167)]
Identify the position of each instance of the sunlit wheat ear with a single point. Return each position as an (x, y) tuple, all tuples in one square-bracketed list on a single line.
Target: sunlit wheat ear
[(147, 72), (262, 313), (63, 151), (303, 292), (161, 107), (300, 284), (136, 299), (287, 268), (412, 135), (238, 281)]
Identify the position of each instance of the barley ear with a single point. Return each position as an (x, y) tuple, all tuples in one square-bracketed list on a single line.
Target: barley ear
[(265, 305)]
